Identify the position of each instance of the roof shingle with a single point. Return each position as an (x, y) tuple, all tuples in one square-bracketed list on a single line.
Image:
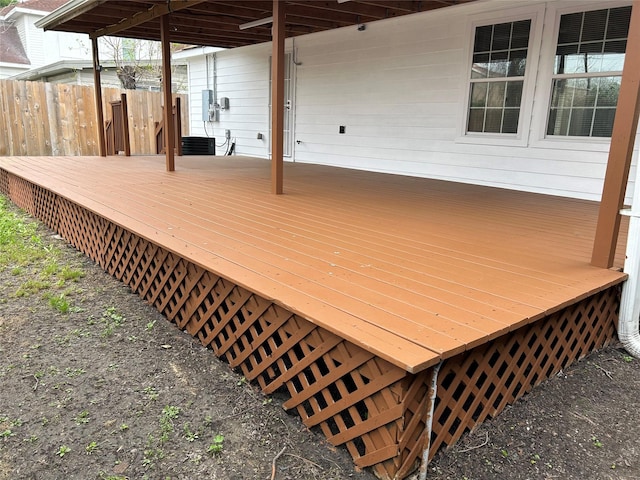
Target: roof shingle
[(11, 48), (41, 5)]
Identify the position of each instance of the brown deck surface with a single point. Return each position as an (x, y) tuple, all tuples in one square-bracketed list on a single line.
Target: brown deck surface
[(412, 269)]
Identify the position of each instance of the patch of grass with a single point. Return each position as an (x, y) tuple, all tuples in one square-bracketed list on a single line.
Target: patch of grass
[(70, 274), (50, 269), (20, 245), (32, 287)]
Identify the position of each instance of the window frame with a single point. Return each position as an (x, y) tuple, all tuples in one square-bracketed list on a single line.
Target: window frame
[(546, 76), (535, 15), (577, 76)]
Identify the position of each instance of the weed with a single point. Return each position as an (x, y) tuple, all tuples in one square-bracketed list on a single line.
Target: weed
[(596, 442), (82, 418), (92, 447), (111, 320), (188, 434), (32, 439), (63, 450), (170, 412), (242, 381), (151, 393), (627, 358), (113, 366), (504, 453), (124, 427), (58, 302), (6, 433), (535, 459), (111, 313), (150, 325), (39, 374), (74, 372), (208, 420), (217, 445)]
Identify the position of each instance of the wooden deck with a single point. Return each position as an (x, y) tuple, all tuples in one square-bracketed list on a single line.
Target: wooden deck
[(414, 270), (397, 312)]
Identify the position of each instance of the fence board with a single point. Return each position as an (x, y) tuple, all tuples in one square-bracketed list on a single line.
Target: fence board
[(38, 118)]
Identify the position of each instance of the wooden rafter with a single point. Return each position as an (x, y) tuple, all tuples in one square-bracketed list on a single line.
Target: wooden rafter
[(215, 23), (155, 11)]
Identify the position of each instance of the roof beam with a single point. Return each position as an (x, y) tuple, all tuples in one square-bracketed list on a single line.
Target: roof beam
[(156, 11)]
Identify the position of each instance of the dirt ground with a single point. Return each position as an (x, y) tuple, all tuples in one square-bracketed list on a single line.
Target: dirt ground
[(95, 384)]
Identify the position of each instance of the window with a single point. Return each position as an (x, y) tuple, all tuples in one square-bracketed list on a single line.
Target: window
[(587, 72), (497, 77)]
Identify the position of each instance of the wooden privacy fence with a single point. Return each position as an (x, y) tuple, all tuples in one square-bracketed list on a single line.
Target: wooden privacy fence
[(38, 118)]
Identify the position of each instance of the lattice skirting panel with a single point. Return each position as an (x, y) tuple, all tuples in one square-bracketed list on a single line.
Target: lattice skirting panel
[(380, 413)]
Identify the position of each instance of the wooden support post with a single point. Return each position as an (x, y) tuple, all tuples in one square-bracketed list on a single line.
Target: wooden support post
[(277, 98), (125, 124), (97, 88), (178, 127), (169, 132), (622, 141)]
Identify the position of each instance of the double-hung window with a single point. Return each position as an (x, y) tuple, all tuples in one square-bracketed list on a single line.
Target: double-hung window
[(497, 77), (587, 72)]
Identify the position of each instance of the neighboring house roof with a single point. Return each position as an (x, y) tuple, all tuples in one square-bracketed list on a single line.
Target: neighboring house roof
[(11, 48), (39, 5)]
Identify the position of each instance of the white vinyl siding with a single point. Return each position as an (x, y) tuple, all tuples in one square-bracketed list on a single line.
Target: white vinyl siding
[(400, 88)]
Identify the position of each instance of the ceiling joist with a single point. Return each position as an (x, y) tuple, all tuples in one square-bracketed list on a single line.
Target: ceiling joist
[(139, 18)]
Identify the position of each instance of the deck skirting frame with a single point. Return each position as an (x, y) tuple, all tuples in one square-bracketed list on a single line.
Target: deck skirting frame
[(378, 411)]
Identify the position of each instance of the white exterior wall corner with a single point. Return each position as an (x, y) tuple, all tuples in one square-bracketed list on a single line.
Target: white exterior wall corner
[(400, 88)]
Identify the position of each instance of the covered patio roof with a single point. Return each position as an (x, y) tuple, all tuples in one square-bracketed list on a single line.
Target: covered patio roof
[(217, 22)]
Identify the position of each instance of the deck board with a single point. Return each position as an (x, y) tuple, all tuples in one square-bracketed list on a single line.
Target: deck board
[(413, 269)]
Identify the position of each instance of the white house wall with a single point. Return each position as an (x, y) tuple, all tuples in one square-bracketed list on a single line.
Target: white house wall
[(400, 88), (244, 79)]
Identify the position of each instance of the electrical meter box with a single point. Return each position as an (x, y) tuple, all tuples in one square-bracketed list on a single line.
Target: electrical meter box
[(208, 109)]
